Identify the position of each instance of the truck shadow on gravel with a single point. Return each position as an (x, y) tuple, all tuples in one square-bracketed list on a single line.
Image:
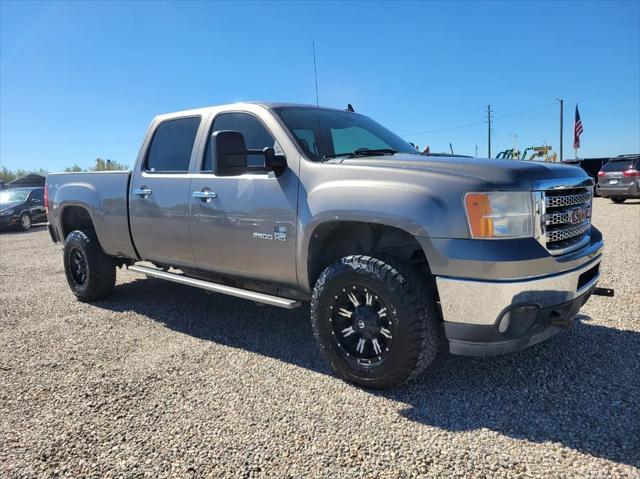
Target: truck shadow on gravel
[(580, 389)]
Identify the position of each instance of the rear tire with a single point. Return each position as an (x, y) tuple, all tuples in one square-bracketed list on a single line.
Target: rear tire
[(618, 200), (91, 273), (407, 334)]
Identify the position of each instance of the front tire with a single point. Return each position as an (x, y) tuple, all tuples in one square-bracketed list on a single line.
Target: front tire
[(91, 273), (24, 223), (618, 200), (376, 321)]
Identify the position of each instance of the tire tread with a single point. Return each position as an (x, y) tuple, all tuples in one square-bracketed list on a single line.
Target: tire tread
[(102, 268)]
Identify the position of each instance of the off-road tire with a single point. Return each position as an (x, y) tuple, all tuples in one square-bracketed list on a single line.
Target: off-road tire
[(416, 315), (618, 200), (100, 268)]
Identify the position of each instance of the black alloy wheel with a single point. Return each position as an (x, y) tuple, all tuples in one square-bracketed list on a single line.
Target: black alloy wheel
[(78, 266), (362, 325)]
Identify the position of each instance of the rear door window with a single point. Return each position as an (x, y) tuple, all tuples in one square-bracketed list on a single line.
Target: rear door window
[(171, 146), (37, 195)]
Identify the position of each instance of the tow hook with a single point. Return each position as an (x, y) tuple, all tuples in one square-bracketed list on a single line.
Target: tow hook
[(603, 292)]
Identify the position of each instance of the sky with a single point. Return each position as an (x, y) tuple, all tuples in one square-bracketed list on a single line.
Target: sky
[(81, 80)]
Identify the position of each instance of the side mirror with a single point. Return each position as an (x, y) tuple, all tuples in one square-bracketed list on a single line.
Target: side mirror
[(273, 162), (230, 153)]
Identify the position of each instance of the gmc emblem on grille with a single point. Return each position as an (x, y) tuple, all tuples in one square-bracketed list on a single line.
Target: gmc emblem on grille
[(579, 214)]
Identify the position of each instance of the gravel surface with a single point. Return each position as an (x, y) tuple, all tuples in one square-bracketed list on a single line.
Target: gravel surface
[(162, 380)]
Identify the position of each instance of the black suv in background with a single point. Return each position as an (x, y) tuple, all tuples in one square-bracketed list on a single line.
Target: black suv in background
[(619, 179), (21, 207)]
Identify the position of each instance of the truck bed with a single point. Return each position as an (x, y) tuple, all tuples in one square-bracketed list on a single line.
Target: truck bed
[(104, 195)]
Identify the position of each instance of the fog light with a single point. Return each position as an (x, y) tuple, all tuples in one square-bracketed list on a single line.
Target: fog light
[(504, 322), (518, 320)]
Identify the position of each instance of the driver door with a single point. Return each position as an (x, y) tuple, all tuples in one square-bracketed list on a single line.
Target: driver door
[(245, 225)]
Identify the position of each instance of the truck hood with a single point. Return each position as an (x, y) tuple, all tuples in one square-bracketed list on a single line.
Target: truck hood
[(500, 174)]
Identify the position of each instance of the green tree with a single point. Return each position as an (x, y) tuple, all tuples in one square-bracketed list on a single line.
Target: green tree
[(73, 169), (6, 175), (108, 165)]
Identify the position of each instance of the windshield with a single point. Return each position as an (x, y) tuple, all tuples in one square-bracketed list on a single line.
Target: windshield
[(13, 196), (324, 134)]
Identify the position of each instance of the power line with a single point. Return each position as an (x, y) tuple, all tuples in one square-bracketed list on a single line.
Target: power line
[(522, 112), (446, 129)]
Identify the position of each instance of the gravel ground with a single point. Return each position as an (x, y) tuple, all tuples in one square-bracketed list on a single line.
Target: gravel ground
[(162, 380)]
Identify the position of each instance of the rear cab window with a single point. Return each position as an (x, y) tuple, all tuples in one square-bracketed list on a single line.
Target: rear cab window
[(171, 146)]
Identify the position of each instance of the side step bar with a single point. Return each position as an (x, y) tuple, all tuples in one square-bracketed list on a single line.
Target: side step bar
[(218, 288)]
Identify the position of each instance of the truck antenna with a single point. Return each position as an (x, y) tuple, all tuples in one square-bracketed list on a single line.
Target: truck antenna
[(315, 74)]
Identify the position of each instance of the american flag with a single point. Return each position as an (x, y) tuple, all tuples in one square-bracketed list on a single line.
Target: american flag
[(577, 130)]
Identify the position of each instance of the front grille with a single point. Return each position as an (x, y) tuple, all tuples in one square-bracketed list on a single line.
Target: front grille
[(567, 218), (567, 200)]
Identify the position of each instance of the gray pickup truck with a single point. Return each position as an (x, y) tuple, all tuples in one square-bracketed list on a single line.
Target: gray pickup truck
[(284, 204)]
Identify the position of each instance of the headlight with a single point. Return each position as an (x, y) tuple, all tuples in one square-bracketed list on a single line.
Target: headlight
[(500, 214), (6, 212)]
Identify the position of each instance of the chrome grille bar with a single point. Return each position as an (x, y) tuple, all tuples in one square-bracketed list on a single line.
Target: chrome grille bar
[(557, 218)]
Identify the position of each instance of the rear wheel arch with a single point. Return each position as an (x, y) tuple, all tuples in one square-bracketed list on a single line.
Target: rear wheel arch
[(75, 217)]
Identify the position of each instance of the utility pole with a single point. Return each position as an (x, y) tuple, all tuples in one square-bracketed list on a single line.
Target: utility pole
[(561, 121), (514, 136), (476, 151), (489, 130)]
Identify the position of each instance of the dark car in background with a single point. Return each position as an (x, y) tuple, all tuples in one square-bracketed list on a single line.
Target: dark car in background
[(619, 179), (591, 166), (22, 207)]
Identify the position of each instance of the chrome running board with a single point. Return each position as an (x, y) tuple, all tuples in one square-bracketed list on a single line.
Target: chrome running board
[(218, 288)]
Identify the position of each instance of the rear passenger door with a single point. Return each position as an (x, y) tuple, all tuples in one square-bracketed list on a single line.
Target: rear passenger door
[(159, 194)]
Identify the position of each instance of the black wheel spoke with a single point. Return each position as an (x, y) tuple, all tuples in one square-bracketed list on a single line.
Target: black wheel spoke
[(78, 266), (362, 325)]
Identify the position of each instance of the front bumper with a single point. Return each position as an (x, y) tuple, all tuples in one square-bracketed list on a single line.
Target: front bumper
[(498, 316), (8, 221)]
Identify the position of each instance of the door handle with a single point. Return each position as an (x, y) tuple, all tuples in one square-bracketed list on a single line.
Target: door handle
[(205, 195), (142, 192)]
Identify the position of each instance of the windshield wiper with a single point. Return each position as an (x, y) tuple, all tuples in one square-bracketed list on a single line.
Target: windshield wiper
[(363, 152)]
